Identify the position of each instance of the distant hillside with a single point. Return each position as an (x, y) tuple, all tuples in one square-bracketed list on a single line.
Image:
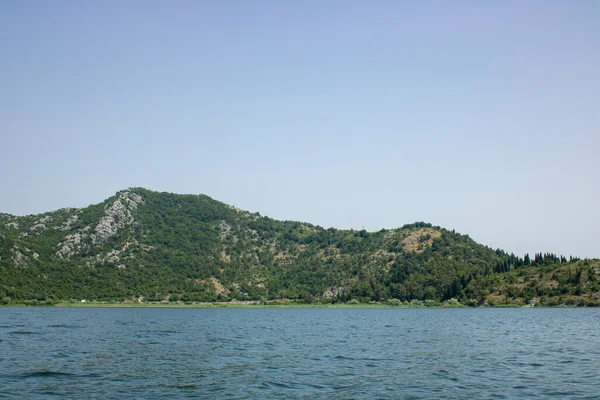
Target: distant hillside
[(152, 246)]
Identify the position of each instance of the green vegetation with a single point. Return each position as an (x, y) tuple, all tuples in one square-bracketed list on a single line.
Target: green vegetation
[(161, 248)]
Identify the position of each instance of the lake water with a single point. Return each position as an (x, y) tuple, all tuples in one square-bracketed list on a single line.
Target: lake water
[(299, 353)]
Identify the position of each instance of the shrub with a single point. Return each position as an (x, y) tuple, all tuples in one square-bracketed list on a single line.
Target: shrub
[(453, 302), (394, 302)]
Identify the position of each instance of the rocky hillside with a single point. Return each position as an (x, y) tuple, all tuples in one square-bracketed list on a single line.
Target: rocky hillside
[(151, 246)]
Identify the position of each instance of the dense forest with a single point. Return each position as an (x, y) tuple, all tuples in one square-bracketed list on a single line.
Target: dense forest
[(141, 245)]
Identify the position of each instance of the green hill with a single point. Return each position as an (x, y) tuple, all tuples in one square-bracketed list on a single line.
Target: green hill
[(141, 244)]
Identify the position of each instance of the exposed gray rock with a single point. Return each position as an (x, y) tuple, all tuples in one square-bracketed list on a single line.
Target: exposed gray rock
[(69, 222), (44, 220), (38, 227), (19, 259), (334, 292), (116, 216), (72, 243)]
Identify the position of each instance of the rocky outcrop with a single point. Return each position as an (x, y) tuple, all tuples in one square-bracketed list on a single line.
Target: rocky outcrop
[(118, 214), (40, 225), (19, 259), (119, 255), (334, 292), (66, 226), (73, 243)]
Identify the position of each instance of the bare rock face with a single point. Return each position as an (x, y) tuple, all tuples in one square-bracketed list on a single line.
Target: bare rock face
[(19, 259), (334, 292), (117, 215), (40, 225), (72, 243)]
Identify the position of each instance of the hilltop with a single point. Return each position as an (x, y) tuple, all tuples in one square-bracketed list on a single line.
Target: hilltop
[(150, 246)]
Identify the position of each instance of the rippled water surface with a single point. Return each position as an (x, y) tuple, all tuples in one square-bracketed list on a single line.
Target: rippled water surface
[(299, 353)]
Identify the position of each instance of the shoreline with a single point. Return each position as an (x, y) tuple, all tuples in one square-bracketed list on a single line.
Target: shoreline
[(254, 305)]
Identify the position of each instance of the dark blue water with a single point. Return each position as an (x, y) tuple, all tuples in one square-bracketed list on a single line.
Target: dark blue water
[(299, 353)]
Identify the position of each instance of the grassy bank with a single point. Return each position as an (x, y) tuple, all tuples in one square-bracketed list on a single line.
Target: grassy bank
[(393, 303), (249, 304)]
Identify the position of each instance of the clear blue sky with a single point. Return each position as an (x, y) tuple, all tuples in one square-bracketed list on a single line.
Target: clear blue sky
[(482, 117)]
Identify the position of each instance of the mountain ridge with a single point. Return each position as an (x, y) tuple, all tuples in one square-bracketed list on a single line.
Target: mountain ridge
[(162, 246)]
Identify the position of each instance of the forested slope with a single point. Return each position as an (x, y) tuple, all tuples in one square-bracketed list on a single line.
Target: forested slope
[(152, 246)]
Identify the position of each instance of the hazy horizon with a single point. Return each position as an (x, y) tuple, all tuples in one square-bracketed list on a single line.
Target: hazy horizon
[(478, 117)]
